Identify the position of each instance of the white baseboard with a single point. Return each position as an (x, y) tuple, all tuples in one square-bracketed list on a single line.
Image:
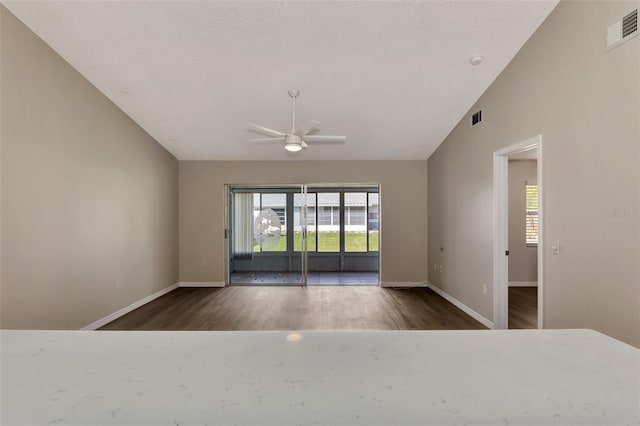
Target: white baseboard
[(467, 310), (523, 283), (403, 284), (106, 320), (200, 284)]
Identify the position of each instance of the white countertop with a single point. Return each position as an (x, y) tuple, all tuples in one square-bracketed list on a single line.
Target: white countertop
[(353, 378)]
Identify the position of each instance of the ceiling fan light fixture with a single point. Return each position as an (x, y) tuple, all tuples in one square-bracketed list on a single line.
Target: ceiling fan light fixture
[(293, 147), (293, 143)]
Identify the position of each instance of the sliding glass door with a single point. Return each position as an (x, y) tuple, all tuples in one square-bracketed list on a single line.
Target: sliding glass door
[(303, 234), (347, 235), (263, 231)]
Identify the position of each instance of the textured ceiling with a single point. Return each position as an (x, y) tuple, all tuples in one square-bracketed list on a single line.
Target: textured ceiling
[(394, 77)]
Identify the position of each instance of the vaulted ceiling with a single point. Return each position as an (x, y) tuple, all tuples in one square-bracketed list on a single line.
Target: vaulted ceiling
[(393, 76)]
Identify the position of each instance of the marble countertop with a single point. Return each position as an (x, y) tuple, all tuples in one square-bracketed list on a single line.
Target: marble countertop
[(312, 377)]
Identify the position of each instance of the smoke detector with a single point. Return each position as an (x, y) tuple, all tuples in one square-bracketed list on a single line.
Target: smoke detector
[(475, 59)]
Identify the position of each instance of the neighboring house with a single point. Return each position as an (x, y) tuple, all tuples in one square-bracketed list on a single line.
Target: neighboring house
[(323, 212)]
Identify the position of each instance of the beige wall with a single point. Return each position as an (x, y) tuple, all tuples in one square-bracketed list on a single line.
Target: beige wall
[(523, 260), (403, 204), (89, 200), (585, 103)]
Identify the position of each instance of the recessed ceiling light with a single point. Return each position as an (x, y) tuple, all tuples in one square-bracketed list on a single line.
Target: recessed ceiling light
[(475, 59)]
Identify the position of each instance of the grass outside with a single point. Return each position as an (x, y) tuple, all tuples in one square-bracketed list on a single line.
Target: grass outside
[(328, 242)]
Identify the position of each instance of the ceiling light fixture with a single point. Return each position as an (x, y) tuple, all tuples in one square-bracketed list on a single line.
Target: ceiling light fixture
[(475, 59), (293, 143), (293, 148)]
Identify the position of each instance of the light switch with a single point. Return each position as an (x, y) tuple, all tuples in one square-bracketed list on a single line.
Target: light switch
[(555, 248)]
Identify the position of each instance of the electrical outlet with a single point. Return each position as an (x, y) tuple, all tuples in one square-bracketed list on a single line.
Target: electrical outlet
[(484, 289)]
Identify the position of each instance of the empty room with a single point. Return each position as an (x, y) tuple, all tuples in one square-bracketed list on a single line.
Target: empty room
[(319, 212)]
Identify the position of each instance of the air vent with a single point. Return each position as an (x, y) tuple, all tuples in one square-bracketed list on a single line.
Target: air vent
[(630, 24), (476, 118), (622, 30)]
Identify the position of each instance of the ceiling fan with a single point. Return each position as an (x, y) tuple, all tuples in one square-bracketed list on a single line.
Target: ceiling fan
[(298, 138)]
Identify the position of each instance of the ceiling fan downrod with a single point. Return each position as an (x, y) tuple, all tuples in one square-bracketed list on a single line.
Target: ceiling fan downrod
[(293, 93)]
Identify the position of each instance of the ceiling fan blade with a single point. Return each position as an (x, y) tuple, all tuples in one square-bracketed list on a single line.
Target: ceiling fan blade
[(265, 131), (304, 145), (324, 139), (308, 127), (267, 140)]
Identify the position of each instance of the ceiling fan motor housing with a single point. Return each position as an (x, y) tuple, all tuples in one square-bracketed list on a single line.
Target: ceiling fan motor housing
[(292, 139)]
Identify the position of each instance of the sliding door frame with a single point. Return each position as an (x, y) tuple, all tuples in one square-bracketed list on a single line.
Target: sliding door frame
[(304, 189), (289, 190), (342, 189)]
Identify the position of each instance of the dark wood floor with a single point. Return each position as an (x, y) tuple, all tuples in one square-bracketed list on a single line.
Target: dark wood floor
[(523, 307), (295, 308)]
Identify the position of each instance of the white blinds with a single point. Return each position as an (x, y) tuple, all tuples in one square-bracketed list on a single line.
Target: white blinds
[(243, 224), (531, 192)]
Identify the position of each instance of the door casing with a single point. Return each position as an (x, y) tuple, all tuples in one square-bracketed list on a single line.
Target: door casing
[(501, 230)]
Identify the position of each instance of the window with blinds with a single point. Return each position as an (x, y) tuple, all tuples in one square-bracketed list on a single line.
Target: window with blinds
[(531, 223)]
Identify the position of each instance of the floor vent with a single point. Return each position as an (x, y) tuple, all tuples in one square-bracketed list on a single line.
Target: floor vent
[(622, 30)]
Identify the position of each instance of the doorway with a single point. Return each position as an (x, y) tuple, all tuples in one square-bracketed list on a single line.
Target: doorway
[(523, 240), (303, 235), (518, 245)]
